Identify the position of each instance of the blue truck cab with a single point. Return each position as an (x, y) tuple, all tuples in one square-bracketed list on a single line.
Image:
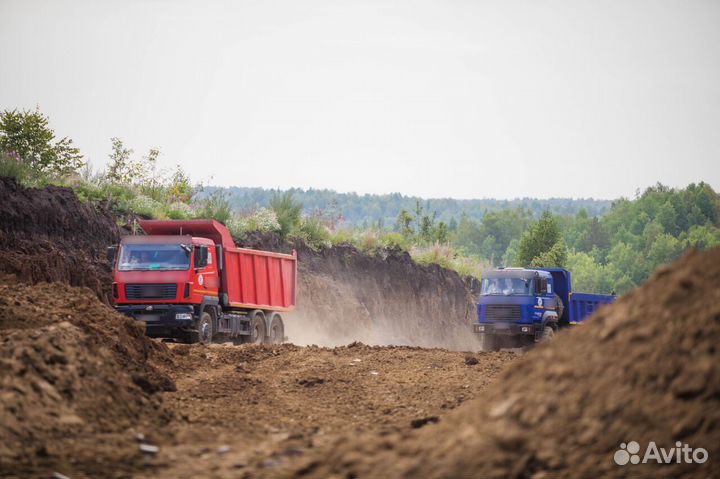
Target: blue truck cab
[(523, 305)]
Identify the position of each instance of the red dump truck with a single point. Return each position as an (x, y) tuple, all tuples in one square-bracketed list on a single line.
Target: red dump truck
[(186, 280)]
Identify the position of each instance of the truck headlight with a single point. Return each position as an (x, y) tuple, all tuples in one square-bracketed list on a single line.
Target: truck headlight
[(481, 328), (183, 316), (524, 329)]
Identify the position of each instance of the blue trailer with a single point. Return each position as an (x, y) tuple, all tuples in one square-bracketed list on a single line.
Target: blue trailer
[(518, 306)]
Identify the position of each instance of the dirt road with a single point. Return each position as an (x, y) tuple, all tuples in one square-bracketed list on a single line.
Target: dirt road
[(243, 411)]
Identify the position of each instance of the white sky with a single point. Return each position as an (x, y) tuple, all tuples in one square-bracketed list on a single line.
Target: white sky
[(464, 99)]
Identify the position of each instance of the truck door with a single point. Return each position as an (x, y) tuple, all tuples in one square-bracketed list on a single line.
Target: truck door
[(545, 292), (561, 286), (207, 281)]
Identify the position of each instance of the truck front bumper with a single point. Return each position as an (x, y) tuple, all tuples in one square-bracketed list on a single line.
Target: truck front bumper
[(161, 320), (504, 329)]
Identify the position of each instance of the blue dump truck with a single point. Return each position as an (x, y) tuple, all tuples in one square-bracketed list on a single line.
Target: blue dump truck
[(518, 306)]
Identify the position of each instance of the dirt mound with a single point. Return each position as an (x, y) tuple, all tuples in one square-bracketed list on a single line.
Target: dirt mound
[(383, 299), (71, 369), (49, 235), (645, 369)]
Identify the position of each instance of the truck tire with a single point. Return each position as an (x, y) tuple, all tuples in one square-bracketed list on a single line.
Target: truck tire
[(547, 334), (560, 307), (276, 335), (257, 328), (204, 327)]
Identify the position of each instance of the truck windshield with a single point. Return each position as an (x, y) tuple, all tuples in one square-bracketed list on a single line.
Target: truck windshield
[(154, 257), (505, 286)]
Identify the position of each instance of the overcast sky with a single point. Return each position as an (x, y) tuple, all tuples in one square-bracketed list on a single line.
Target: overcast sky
[(465, 99)]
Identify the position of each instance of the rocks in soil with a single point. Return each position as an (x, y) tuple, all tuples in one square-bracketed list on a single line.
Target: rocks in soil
[(471, 360)]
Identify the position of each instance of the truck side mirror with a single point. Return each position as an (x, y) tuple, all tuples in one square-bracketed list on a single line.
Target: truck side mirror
[(110, 255), (201, 256)]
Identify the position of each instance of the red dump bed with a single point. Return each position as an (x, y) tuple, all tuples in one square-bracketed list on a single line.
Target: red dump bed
[(250, 279), (259, 279)]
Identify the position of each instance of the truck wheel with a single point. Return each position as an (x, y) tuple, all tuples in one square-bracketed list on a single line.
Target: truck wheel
[(547, 334), (257, 327), (277, 329), (560, 306), (204, 327)]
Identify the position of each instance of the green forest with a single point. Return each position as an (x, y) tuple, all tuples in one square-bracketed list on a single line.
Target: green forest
[(609, 246), (365, 211), (612, 252)]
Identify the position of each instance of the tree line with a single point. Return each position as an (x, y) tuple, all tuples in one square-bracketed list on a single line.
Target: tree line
[(373, 211), (613, 252)]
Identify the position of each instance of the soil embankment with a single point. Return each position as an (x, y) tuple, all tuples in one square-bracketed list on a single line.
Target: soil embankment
[(49, 235), (382, 299)]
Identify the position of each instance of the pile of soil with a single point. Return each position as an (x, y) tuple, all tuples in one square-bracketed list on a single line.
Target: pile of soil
[(76, 379), (345, 295), (644, 369), (47, 234)]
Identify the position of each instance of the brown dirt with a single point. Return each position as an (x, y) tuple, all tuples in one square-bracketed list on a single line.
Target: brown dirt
[(49, 235), (644, 369), (79, 382), (267, 405), (76, 379)]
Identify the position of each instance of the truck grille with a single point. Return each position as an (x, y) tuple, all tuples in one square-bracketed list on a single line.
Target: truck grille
[(503, 312), (150, 291)]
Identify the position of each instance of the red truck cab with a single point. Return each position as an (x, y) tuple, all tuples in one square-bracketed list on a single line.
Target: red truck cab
[(195, 285)]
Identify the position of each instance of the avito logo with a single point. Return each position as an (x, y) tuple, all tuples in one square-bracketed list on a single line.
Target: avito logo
[(681, 453)]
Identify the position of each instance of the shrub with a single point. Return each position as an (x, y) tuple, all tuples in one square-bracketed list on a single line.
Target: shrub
[(215, 207), (314, 233), (179, 211), (288, 212), (394, 241), (264, 220), (147, 207), (237, 226), (367, 241), (12, 165), (341, 237), (447, 257)]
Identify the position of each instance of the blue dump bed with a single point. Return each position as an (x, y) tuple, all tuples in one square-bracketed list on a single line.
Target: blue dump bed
[(578, 306), (583, 305)]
